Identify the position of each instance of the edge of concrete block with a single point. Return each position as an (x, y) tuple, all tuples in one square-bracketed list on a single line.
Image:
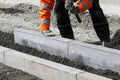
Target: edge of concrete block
[(35, 33), (92, 46), (52, 45), (90, 76), (46, 69), (41, 68), (2, 51), (95, 56)]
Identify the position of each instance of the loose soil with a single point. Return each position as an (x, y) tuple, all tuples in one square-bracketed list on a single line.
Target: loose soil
[(27, 16)]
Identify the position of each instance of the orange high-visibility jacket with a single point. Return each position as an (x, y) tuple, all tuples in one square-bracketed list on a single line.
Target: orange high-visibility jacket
[(84, 4), (47, 5)]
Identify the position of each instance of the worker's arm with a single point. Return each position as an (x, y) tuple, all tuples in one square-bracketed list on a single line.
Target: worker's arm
[(78, 6), (70, 5)]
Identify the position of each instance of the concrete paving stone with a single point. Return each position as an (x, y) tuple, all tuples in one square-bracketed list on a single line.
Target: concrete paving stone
[(90, 76), (2, 50), (47, 70), (53, 45), (95, 56)]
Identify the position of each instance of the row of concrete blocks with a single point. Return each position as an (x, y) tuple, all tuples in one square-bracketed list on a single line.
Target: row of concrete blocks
[(92, 55), (44, 69)]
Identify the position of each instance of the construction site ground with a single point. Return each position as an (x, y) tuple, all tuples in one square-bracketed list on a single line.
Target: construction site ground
[(27, 16), (8, 73)]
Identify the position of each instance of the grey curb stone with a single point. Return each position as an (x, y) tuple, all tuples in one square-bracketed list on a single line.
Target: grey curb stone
[(95, 56), (45, 69), (53, 45), (92, 55), (2, 51)]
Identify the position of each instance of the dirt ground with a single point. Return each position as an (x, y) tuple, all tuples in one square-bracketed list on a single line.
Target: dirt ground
[(27, 16), (8, 73)]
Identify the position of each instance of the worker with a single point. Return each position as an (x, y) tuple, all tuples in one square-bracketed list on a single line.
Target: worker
[(99, 21), (45, 12)]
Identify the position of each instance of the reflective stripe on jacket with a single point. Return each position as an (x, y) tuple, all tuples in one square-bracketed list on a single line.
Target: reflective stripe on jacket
[(45, 12), (84, 4)]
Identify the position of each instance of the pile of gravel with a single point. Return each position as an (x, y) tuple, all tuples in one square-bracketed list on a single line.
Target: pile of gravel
[(7, 40)]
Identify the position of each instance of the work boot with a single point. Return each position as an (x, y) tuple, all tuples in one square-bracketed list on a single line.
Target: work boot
[(103, 43), (96, 43), (107, 44), (66, 31), (48, 33)]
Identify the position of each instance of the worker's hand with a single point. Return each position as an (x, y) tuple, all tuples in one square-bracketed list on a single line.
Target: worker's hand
[(48, 33), (74, 10), (69, 4)]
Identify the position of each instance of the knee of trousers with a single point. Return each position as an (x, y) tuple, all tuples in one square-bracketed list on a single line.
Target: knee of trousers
[(66, 31), (59, 7)]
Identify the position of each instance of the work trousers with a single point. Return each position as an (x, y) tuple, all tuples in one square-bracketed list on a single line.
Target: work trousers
[(99, 20)]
